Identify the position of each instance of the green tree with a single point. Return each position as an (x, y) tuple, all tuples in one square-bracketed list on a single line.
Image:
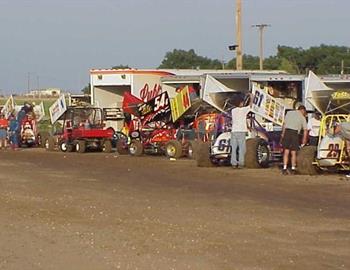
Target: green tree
[(182, 59), (86, 89), (121, 67)]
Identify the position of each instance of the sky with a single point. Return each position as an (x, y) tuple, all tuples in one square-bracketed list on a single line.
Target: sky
[(54, 43)]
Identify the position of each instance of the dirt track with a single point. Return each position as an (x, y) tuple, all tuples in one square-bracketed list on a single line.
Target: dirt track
[(97, 211)]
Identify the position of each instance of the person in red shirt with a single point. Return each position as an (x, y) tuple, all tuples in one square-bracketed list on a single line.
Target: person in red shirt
[(3, 131)]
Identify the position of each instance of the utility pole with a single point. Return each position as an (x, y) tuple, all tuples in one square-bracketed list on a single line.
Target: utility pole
[(261, 40), (239, 60)]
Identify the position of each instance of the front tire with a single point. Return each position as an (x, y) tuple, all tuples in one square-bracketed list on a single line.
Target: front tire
[(173, 149), (135, 148), (49, 144), (203, 155), (107, 146), (305, 157), (257, 153)]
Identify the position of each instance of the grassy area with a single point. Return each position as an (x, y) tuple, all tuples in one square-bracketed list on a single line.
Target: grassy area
[(20, 101), (45, 124)]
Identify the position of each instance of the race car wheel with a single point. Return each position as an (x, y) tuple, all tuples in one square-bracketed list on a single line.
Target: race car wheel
[(80, 146), (173, 149), (122, 147), (257, 153), (192, 149), (107, 146), (305, 156), (135, 148), (203, 155), (42, 138), (49, 144)]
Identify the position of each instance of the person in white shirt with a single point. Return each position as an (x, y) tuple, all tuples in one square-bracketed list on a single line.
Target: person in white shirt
[(238, 133), (313, 126)]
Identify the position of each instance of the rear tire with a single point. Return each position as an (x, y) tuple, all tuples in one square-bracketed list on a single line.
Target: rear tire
[(257, 153), (107, 146), (136, 148), (173, 149), (49, 144), (203, 155), (305, 157), (80, 146), (122, 147), (192, 149), (42, 138)]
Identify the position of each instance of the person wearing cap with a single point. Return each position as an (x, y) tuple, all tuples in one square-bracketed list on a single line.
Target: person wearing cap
[(294, 122)]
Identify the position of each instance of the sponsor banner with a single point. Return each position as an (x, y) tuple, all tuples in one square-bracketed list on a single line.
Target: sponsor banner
[(9, 107), (39, 111), (267, 106), (180, 104), (146, 86), (57, 109), (156, 109)]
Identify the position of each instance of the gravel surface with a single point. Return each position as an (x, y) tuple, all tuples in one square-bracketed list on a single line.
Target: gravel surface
[(106, 211)]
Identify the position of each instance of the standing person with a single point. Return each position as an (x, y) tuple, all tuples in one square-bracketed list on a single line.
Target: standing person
[(294, 122), (3, 131), (313, 127), (238, 133), (13, 130)]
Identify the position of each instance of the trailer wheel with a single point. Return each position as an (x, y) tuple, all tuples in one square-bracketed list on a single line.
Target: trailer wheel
[(257, 153), (305, 157), (107, 146), (49, 144), (192, 149), (135, 148), (173, 149), (122, 147), (203, 155), (80, 146)]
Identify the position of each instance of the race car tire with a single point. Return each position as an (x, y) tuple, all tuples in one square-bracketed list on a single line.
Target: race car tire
[(80, 146), (173, 149), (192, 149), (42, 137), (135, 148), (122, 147), (257, 153), (305, 156), (203, 155), (107, 146), (49, 143)]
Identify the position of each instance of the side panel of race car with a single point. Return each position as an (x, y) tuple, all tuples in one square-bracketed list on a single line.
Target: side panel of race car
[(222, 145), (330, 150)]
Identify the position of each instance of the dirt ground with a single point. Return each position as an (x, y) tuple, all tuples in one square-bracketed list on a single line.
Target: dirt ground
[(97, 211)]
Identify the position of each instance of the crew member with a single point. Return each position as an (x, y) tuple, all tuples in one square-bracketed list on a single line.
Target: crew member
[(238, 133), (294, 122), (313, 127), (3, 131)]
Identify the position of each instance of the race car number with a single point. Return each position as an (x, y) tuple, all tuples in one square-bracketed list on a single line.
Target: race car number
[(224, 145), (258, 98), (334, 150)]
